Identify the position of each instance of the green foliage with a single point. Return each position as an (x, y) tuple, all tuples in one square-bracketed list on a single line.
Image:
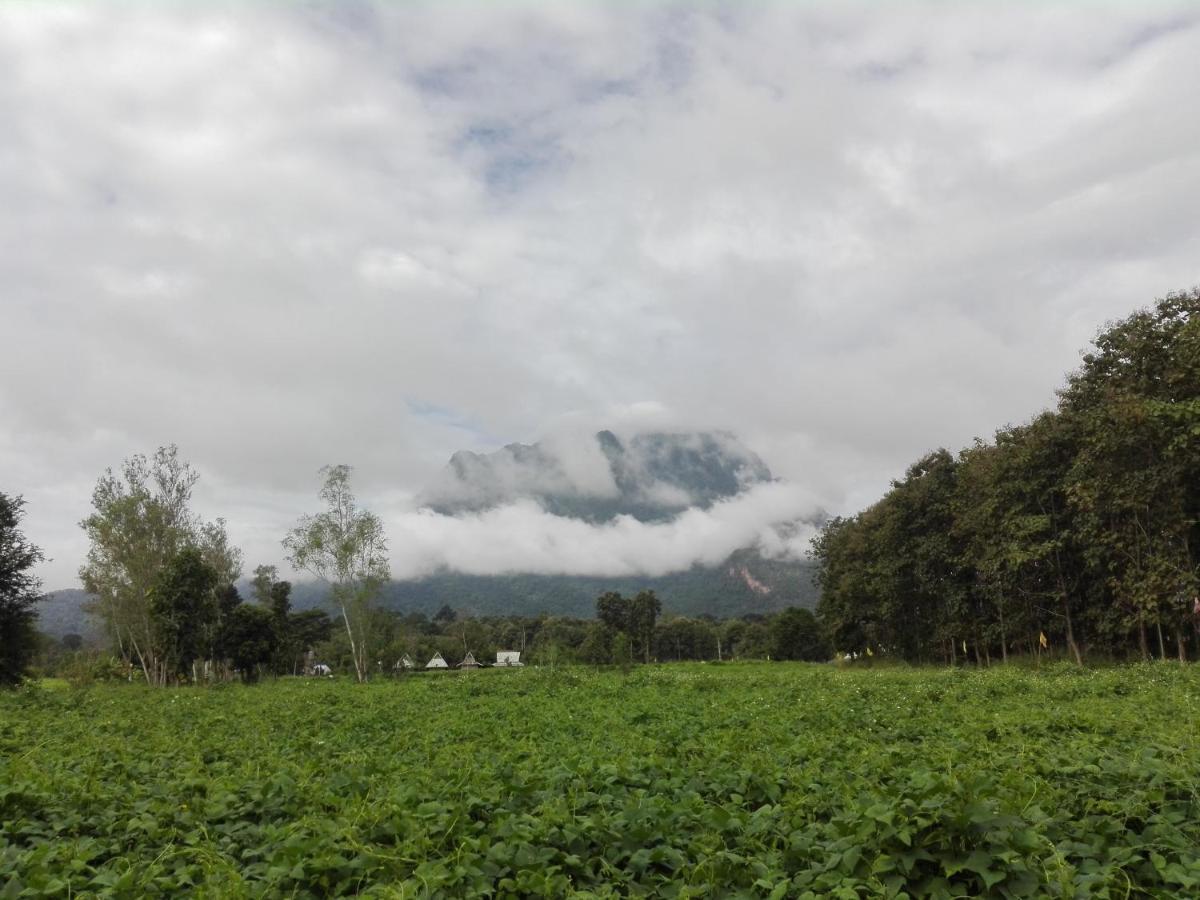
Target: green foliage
[(345, 547), (674, 781), (185, 611), (140, 522), (633, 618), (19, 591), (1082, 526), (250, 639), (797, 635)]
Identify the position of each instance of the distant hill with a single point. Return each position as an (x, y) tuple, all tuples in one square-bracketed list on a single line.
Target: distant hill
[(61, 612), (745, 584)]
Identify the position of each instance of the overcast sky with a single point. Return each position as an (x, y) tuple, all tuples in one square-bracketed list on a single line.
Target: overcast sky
[(284, 236)]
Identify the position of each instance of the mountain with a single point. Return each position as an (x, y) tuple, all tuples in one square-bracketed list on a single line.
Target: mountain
[(61, 612), (745, 584), (651, 476)]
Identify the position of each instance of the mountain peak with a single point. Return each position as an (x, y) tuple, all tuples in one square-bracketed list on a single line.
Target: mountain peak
[(650, 476)]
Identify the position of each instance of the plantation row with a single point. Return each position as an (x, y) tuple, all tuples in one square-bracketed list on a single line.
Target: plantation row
[(1079, 530), (679, 781)]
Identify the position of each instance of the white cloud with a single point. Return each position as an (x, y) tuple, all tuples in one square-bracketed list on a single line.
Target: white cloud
[(522, 537), (283, 236)]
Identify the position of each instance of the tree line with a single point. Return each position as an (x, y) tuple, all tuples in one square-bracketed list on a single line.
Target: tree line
[(1076, 531), (546, 640)]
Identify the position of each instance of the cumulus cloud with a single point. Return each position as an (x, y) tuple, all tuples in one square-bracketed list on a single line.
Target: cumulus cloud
[(287, 235)]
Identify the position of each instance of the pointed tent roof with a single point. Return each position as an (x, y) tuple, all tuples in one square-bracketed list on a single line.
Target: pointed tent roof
[(437, 662), (469, 661)]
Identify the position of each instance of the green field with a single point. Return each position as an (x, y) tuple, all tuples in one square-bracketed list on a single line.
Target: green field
[(682, 780)]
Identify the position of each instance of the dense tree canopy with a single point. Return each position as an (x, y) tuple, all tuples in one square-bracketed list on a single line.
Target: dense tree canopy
[(796, 634), (1077, 531)]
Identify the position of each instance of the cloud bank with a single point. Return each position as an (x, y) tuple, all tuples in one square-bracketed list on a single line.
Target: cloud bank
[(522, 537), (285, 235)]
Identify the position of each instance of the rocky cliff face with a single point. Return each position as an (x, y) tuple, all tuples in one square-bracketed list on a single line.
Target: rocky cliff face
[(652, 476)]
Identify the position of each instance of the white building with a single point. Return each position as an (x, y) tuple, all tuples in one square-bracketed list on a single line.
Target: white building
[(508, 658), (437, 662)]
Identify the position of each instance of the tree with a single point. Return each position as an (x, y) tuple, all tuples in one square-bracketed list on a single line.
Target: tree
[(264, 580), (596, 647), (1080, 528), (613, 610), (796, 634), (275, 597), (19, 591), (643, 613), (185, 611), (680, 638), (346, 548), (249, 639), (1136, 406), (306, 630), (72, 642), (140, 522)]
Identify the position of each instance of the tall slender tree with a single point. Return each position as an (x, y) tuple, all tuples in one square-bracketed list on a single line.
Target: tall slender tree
[(644, 610), (345, 547), (19, 591)]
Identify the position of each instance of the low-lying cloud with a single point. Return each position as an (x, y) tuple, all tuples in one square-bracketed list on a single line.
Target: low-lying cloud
[(776, 518)]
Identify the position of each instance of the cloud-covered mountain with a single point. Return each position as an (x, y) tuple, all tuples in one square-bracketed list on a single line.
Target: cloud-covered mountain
[(652, 477), (547, 527)]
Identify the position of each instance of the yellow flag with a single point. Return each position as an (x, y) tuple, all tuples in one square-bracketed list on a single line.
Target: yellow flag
[(1042, 639), (964, 646), (869, 653)]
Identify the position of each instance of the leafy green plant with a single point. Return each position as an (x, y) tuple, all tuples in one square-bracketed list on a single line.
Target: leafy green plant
[(783, 780)]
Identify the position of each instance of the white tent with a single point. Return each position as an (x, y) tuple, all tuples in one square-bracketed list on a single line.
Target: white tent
[(437, 662), (469, 662), (508, 658)]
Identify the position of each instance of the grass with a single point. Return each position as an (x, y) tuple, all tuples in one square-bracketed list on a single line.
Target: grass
[(681, 780), (52, 684)]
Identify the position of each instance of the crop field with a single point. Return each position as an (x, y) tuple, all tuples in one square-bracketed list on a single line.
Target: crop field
[(772, 780)]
